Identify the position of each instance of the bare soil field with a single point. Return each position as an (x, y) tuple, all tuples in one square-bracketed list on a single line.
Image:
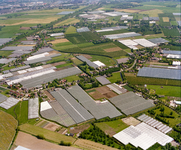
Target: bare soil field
[(78, 129), (90, 145), (165, 19), (102, 92), (58, 63), (51, 126), (130, 121), (33, 143), (113, 49), (59, 41), (49, 95)]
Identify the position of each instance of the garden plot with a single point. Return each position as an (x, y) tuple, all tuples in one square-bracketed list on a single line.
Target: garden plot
[(97, 109), (130, 103), (101, 92), (33, 108), (10, 102)]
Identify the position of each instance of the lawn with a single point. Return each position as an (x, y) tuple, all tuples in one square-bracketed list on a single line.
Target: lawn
[(70, 30), (166, 90), (112, 127), (72, 78), (132, 79), (115, 77), (49, 135)]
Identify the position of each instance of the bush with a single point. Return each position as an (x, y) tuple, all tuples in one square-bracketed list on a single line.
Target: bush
[(40, 136), (65, 143)]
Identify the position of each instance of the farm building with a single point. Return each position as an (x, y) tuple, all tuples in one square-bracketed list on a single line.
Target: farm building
[(98, 109), (91, 64), (158, 41), (116, 88), (155, 124), (144, 43), (130, 103), (56, 34), (103, 80), (160, 73), (112, 28), (143, 136), (65, 12), (55, 112), (4, 40), (122, 35), (33, 108), (77, 112), (83, 29)]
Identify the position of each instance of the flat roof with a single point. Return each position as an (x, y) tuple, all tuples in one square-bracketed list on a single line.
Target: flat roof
[(158, 40), (160, 73)]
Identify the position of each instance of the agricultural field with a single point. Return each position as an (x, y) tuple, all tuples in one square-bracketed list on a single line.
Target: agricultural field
[(166, 90), (5, 53), (170, 32), (31, 142), (8, 129), (49, 135), (112, 127), (101, 92), (106, 60), (89, 36), (59, 41), (70, 30), (132, 79), (75, 38), (167, 111), (152, 12), (67, 22), (115, 77)]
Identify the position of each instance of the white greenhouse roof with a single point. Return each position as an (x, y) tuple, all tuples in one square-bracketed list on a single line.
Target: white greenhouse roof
[(100, 64), (143, 136), (45, 106), (144, 42), (56, 34), (128, 42)]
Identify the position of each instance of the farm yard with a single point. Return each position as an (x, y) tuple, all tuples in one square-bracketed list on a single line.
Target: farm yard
[(101, 92)]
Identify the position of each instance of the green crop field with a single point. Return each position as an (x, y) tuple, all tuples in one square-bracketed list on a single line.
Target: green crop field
[(115, 77), (166, 90), (120, 45), (49, 135), (83, 45), (97, 49), (170, 32), (62, 57), (5, 53), (169, 15), (72, 78), (175, 48), (131, 78), (75, 38), (8, 129), (70, 30), (112, 127), (106, 60), (88, 36)]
